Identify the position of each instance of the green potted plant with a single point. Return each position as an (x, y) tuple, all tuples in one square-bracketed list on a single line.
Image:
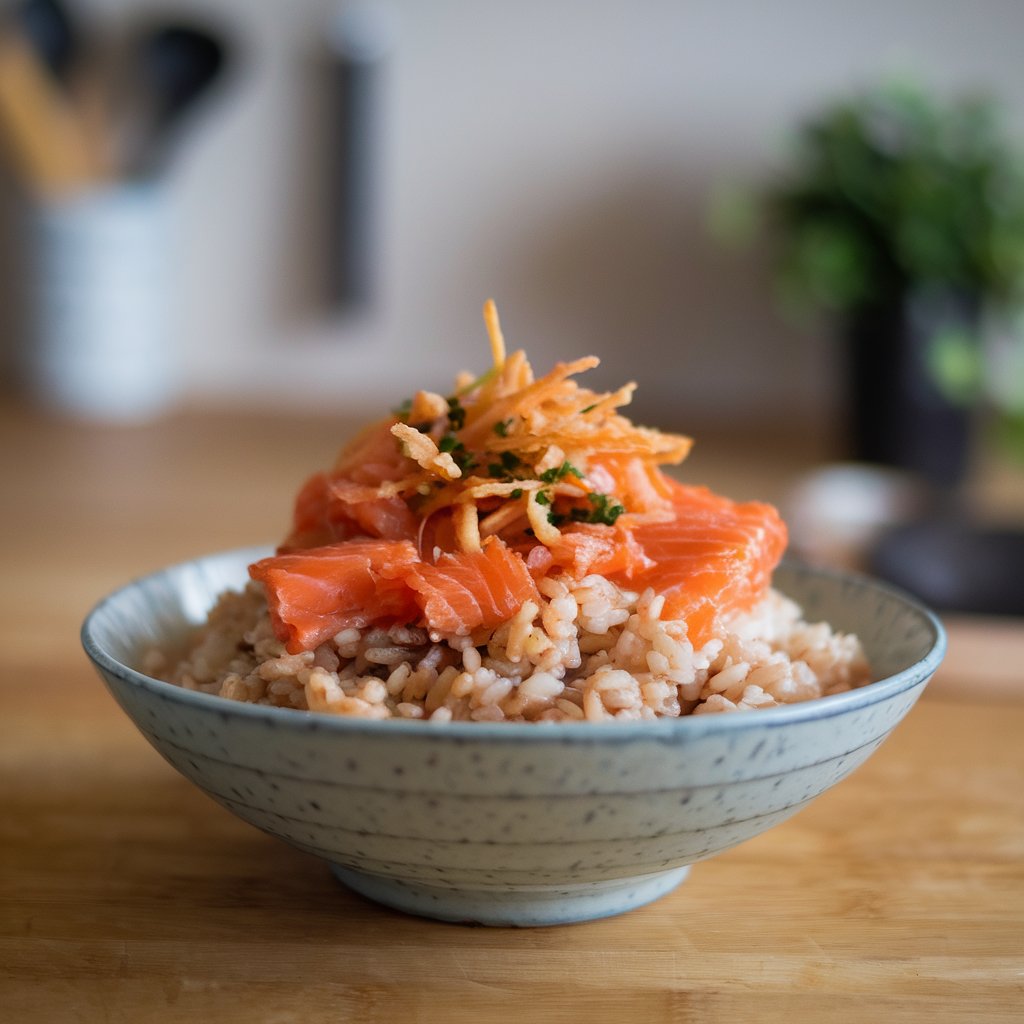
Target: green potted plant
[(904, 216)]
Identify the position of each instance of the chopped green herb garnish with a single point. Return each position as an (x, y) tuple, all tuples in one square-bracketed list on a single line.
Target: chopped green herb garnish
[(456, 414), (461, 456), (542, 498), (501, 427), (517, 493), (504, 468), (605, 509), (556, 518), (588, 408), (403, 408), (549, 476)]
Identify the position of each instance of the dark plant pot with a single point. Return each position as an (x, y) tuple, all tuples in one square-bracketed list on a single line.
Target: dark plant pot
[(897, 413), (954, 565)]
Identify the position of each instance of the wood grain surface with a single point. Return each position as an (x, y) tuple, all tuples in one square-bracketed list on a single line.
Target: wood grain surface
[(126, 895)]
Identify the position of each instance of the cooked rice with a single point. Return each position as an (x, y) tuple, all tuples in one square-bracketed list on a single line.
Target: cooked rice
[(587, 651)]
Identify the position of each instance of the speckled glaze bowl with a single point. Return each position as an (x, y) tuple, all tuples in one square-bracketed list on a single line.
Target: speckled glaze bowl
[(512, 824)]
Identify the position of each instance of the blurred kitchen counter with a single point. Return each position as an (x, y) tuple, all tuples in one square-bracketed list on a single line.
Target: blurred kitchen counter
[(126, 895)]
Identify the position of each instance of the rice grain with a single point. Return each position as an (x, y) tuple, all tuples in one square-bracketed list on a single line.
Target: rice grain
[(588, 650)]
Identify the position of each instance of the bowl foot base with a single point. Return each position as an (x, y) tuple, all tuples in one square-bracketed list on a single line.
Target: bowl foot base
[(517, 906)]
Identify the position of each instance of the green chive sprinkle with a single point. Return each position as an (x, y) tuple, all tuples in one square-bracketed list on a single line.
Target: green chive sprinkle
[(549, 476), (456, 414)]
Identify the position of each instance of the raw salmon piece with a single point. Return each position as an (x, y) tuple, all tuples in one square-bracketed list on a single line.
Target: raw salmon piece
[(388, 518), (636, 483), (538, 561), (314, 594), (330, 509), (372, 456), (311, 526), (464, 590), (715, 558), (595, 548)]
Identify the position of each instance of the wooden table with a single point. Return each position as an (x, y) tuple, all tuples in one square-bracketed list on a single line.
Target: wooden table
[(126, 895)]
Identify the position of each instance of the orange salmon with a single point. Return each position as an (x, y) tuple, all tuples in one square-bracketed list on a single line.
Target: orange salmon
[(316, 593), (716, 557), (464, 590)]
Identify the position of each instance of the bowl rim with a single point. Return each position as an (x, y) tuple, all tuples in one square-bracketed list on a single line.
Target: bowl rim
[(689, 726)]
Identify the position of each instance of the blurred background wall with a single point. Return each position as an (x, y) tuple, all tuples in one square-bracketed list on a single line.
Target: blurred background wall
[(557, 156)]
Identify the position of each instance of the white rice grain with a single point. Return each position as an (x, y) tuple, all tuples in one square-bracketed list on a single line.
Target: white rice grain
[(585, 651)]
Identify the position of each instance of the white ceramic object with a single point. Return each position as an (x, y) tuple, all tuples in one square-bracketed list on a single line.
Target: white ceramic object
[(512, 824), (100, 288), (837, 512)]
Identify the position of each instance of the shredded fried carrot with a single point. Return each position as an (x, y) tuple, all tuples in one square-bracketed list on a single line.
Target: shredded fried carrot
[(510, 451), (421, 448), (509, 513), (467, 526), (494, 333), (426, 407), (543, 529)]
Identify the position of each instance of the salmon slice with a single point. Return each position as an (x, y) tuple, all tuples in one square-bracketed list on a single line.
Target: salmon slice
[(594, 548), (316, 593), (330, 509), (465, 590), (388, 518), (716, 557), (372, 457), (638, 484)]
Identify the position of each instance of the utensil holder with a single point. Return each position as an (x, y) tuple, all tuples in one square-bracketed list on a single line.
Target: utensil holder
[(100, 342)]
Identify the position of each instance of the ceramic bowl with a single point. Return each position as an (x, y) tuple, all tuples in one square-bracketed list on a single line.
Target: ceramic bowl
[(512, 824)]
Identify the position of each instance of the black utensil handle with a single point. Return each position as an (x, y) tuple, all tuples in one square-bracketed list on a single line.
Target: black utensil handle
[(359, 46)]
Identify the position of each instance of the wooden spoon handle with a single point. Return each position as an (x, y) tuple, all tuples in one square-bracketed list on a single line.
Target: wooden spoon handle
[(47, 139)]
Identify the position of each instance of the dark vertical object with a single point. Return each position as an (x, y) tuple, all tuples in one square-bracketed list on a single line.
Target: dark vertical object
[(52, 33), (897, 414), (359, 42), (177, 67)]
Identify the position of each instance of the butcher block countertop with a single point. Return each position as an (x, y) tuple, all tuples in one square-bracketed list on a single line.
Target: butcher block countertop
[(126, 895)]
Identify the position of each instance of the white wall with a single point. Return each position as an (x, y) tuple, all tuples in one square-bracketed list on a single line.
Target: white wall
[(554, 155)]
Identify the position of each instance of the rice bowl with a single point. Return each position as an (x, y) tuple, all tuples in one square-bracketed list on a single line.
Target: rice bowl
[(482, 675), (511, 823)]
